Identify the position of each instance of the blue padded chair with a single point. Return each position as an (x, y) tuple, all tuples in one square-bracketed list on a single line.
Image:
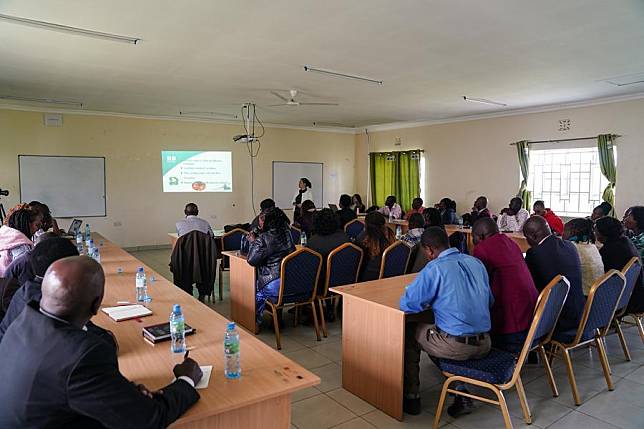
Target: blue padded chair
[(296, 234), (229, 241), (499, 370), (395, 259), (632, 271), (596, 319), (299, 275), (342, 268), (354, 228)]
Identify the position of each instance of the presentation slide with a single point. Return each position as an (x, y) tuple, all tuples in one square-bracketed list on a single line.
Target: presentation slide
[(197, 171)]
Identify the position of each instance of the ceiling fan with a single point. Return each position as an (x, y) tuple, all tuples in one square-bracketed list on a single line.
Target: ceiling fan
[(292, 102)]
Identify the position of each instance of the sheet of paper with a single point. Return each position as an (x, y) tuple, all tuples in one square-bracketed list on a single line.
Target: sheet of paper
[(205, 379)]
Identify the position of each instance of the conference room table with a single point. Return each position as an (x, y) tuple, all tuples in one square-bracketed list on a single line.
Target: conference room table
[(218, 233), (373, 341), (260, 398)]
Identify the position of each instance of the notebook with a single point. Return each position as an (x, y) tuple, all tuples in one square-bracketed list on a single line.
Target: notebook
[(161, 332), (126, 312)]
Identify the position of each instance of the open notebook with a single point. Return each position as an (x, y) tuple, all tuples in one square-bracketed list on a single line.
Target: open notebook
[(125, 312)]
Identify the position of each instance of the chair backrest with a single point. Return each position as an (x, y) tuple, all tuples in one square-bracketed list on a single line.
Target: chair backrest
[(394, 260), (232, 239), (342, 267), (546, 313), (601, 305), (354, 228), (296, 233), (299, 276), (632, 271)]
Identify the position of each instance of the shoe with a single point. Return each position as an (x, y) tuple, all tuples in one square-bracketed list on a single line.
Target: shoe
[(461, 406), (411, 406), (533, 358)]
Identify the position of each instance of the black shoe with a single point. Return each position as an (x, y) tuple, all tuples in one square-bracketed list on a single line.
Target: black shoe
[(411, 406), (462, 405), (533, 358)]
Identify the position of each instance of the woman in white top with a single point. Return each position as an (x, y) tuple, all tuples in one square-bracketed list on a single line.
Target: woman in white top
[(580, 232), (304, 193)]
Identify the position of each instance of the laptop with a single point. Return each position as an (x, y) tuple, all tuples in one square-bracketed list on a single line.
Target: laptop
[(333, 207), (74, 227)]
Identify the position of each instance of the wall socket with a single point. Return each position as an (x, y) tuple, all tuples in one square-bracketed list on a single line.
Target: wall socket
[(118, 224)]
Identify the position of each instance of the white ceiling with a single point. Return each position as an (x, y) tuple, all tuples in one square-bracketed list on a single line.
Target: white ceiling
[(215, 55)]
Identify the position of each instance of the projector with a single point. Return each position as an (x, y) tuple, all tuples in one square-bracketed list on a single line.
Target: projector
[(244, 138)]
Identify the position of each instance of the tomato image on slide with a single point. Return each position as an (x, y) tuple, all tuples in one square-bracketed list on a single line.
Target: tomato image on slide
[(198, 186)]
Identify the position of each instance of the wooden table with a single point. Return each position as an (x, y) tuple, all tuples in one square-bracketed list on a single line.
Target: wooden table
[(242, 290), (260, 398), (218, 233), (517, 237), (373, 342)]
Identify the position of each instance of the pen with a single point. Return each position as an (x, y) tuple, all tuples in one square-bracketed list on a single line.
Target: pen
[(186, 355)]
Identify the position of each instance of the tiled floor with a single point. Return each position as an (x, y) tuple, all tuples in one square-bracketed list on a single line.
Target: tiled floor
[(329, 406)]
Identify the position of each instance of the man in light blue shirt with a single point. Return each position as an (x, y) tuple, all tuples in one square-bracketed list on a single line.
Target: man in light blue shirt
[(456, 288), (192, 222)]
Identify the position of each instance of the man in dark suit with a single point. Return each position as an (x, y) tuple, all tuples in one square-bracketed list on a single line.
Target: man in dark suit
[(57, 374), (549, 256)]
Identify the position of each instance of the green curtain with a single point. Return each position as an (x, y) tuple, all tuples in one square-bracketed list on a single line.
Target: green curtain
[(524, 162), (395, 173), (608, 168)]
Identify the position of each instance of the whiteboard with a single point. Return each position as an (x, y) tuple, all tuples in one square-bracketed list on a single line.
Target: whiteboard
[(286, 176), (72, 186)]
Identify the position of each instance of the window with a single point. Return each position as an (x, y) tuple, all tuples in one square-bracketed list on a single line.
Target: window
[(569, 181)]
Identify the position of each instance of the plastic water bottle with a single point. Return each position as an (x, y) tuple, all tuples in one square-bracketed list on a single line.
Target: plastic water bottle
[(232, 368), (96, 255), (177, 330), (141, 286), (391, 216), (88, 234), (79, 238), (398, 232), (303, 239)]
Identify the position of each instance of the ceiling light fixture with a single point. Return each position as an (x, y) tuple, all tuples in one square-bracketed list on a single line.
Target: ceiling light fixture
[(43, 100), (332, 125), (67, 29), (207, 115), (625, 80), (341, 75), (484, 101)]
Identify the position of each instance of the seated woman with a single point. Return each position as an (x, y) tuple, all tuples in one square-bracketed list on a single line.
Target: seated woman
[(580, 232), (616, 251), (15, 235), (375, 238), (356, 204), (266, 252), (48, 222), (433, 218), (305, 221), (447, 209), (634, 223)]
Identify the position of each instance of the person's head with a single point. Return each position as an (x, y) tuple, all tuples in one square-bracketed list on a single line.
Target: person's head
[(48, 251), (308, 206), (376, 233), (536, 229), (266, 204), (72, 289), (356, 199), (432, 217), (539, 208), (515, 205), (579, 230), (44, 212), (416, 220), (480, 203), (325, 222), (191, 209), (608, 228), (634, 219), (305, 184), (45, 236), (601, 210), (417, 203), (483, 228), (372, 209), (434, 241), (25, 220), (390, 201), (274, 219), (345, 201), (444, 204)]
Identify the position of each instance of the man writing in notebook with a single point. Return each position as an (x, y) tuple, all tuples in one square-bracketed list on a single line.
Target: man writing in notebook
[(57, 374)]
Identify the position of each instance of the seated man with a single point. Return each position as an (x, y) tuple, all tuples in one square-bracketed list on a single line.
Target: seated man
[(416, 207), (601, 210), (192, 222), (455, 287), (548, 257), (345, 214), (479, 211), (554, 222), (44, 254), (391, 207), (266, 204), (513, 217), (515, 295), (57, 374), (416, 228)]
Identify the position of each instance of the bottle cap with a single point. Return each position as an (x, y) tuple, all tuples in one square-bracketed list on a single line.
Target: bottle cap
[(176, 308), (231, 326), (140, 270)]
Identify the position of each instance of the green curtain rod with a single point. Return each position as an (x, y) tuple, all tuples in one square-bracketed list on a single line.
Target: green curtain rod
[(564, 140)]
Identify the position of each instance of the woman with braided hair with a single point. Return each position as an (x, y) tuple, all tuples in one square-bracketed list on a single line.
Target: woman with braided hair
[(15, 235)]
